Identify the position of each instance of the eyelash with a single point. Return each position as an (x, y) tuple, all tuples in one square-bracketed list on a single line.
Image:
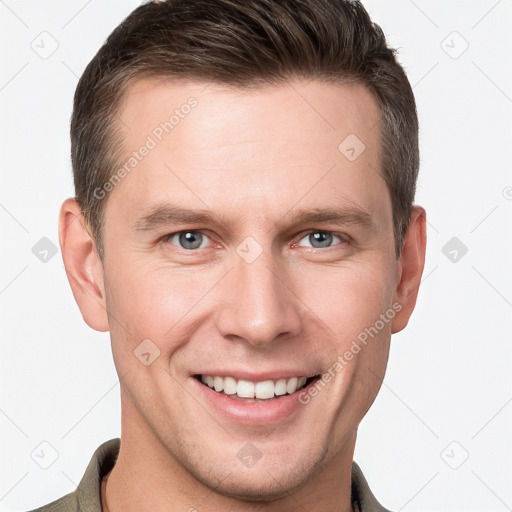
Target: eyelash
[(344, 238)]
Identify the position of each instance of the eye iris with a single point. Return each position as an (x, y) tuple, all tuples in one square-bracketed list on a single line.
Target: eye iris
[(190, 240), (324, 239)]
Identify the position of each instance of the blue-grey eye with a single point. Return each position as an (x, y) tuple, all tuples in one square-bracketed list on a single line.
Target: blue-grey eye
[(189, 239), (320, 239)]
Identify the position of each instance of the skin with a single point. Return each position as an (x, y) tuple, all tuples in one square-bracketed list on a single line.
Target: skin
[(253, 157)]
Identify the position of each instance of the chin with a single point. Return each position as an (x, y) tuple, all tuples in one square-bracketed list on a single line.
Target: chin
[(265, 482), (261, 486)]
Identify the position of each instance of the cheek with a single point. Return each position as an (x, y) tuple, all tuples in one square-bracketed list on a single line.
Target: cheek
[(148, 326), (157, 303), (347, 299), (355, 305), (143, 297)]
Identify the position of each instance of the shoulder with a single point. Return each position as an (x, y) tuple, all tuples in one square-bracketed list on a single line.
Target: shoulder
[(362, 496), (86, 497), (67, 503)]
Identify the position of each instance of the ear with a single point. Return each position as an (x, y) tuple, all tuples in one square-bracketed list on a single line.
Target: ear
[(83, 265), (410, 268)]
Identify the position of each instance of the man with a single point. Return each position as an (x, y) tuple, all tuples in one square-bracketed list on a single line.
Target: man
[(244, 226)]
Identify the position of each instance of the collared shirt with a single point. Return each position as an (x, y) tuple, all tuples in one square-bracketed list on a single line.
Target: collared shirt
[(87, 496)]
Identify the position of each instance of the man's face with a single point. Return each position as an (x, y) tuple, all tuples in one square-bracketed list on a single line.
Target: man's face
[(259, 292)]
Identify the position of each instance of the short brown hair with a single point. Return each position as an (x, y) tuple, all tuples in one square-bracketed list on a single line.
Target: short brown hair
[(243, 44)]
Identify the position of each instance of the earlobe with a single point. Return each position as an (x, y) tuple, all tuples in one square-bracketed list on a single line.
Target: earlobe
[(83, 265), (411, 264)]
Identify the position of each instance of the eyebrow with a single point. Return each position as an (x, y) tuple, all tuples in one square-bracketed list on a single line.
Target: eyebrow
[(167, 215)]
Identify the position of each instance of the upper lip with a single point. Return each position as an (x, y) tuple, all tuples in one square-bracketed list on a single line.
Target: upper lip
[(260, 376)]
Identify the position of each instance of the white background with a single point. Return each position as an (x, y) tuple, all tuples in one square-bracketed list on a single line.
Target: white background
[(449, 372)]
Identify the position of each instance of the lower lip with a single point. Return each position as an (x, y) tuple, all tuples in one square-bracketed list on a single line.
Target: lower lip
[(253, 413)]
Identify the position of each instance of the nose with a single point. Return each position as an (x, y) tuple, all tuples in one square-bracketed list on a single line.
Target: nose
[(259, 304)]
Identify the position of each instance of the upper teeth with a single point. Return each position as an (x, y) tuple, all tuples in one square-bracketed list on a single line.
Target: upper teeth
[(248, 389)]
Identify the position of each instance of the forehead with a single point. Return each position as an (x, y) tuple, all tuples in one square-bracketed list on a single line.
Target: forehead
[(325, 109), (209, 143)]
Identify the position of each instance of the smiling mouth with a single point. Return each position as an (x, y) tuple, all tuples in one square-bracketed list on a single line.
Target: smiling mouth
[(247, 391)]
